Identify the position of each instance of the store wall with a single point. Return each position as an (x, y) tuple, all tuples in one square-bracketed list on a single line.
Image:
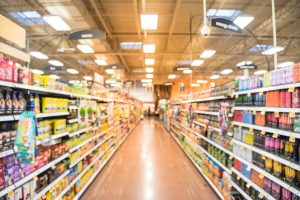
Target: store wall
[(141, 94)]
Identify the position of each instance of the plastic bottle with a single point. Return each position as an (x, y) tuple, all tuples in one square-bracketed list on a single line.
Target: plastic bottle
[(31, 102), (37, 103), (14, 72), (288, 99), (8, 70), (2, 68)]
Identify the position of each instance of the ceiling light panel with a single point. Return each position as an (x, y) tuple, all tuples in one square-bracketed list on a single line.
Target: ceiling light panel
[(197, 63), (201, 81), (195, 85), (72, 71), (285, 64), (131, 45), (110, 71), (260, 72), (149, 61), (243, 21), (37, 71), (149, 70), (168, 83), (208, 53), (213, 77), (38, 55), (226, 71), (88, 78), (56, 63), (228, 13), (172, 76), (149, 75), (146, 81), (54, 76), (272, 50), (187, 71), (85, 48), (149, 48), (101, 62), (57, 23), (149, 21)]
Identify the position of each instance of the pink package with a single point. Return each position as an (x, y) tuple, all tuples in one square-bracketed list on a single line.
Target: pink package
[(2, 175), (286, 194), (17, 173), (276, 190)]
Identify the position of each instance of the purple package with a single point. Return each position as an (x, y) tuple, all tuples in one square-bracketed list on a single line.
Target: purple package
[(17, 173), (26, 170), (9, 161), (9, 178), (2, 175), (276, 190)]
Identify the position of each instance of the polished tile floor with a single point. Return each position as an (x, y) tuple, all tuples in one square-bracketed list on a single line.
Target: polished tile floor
[(149, 165)]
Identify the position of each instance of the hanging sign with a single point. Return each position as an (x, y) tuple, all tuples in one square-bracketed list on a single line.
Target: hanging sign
[(250, 66), (226, 24), (181, 68), (88, 34)]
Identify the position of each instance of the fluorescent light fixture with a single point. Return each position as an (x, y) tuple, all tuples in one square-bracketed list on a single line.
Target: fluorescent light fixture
[(149, 21), (37, 71), (74, 81), (195, 85), (115, 84), (260, 72), (38, 55), (208, 53), (245, 62), (101, 62), (149, 61), (88, 78), (285, 64), (272, 50), (131, 45), (72, 71), (149, 48), (168, 83), (110, 71), (185, 62), (197, 63), (149, 75), (243, 21), (215, 77), (57, 23), (149, 70), (56, 63), (201, 81), (54, 76), (144, 84), (226, 71), (172, 76), (85, 48), (146, 81), (110, 81), (187, 71), (85, 62)]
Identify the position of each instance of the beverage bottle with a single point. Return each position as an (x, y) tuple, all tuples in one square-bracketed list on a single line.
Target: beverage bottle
[(8, 70), (14, 72), (2, 68)]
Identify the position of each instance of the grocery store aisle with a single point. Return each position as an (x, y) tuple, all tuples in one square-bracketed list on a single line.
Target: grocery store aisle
[(149, 165)]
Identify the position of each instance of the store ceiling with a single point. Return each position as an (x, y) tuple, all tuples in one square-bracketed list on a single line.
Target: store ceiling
[(120, 19)]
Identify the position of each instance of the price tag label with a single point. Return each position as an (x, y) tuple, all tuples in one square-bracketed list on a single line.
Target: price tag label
[(261, 195), (254, 112), (10, 193), (249, 168), (275, 135), (230, 158), (261, 176), (236, 95), (276, 114), (250, 129), (292, 138), (263, 132), (249, 94), (291, 89), (261, 93), (263, 112), (248, 185), (240, 126), (232, 95), (292, 114)]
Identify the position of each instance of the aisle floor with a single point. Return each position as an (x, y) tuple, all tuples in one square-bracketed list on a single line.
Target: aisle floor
[(149, 165)]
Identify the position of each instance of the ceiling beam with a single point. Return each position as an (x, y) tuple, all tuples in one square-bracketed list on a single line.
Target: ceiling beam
[(171, 29), (136, 17)]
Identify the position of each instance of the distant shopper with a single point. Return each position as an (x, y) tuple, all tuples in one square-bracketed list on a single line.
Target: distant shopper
[(149, 111)]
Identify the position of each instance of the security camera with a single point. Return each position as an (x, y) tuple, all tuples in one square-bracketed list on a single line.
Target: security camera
[(205, 31)]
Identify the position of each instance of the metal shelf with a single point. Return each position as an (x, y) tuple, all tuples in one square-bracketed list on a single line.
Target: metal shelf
[(244, 194), (80, 131), (267, 109)]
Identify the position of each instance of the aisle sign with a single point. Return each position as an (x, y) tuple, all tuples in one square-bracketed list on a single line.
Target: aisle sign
[(88, 34), (226, 24)]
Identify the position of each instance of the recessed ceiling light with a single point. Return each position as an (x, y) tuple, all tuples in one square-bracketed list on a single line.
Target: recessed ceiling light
[(38, 55), (197, 63), (56, 63), (149, 48), (172, 76), (85, 48), (149, 70), (285, 64), (272, 50), (243, 21), (208, 53), (57, 23), (168, 83), (88, 78), (260, 72), (110, 71), (131, 45), (72, 71), (101, 61), (201, 81), (149, 75), (195, 85), (226, 71), (187, 71), (149, 61), (245, 62), (54, 76), (149, 21), (146, 81), (185, 62), (85, 62), (37, 71), (215, 77), (110, 81)]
